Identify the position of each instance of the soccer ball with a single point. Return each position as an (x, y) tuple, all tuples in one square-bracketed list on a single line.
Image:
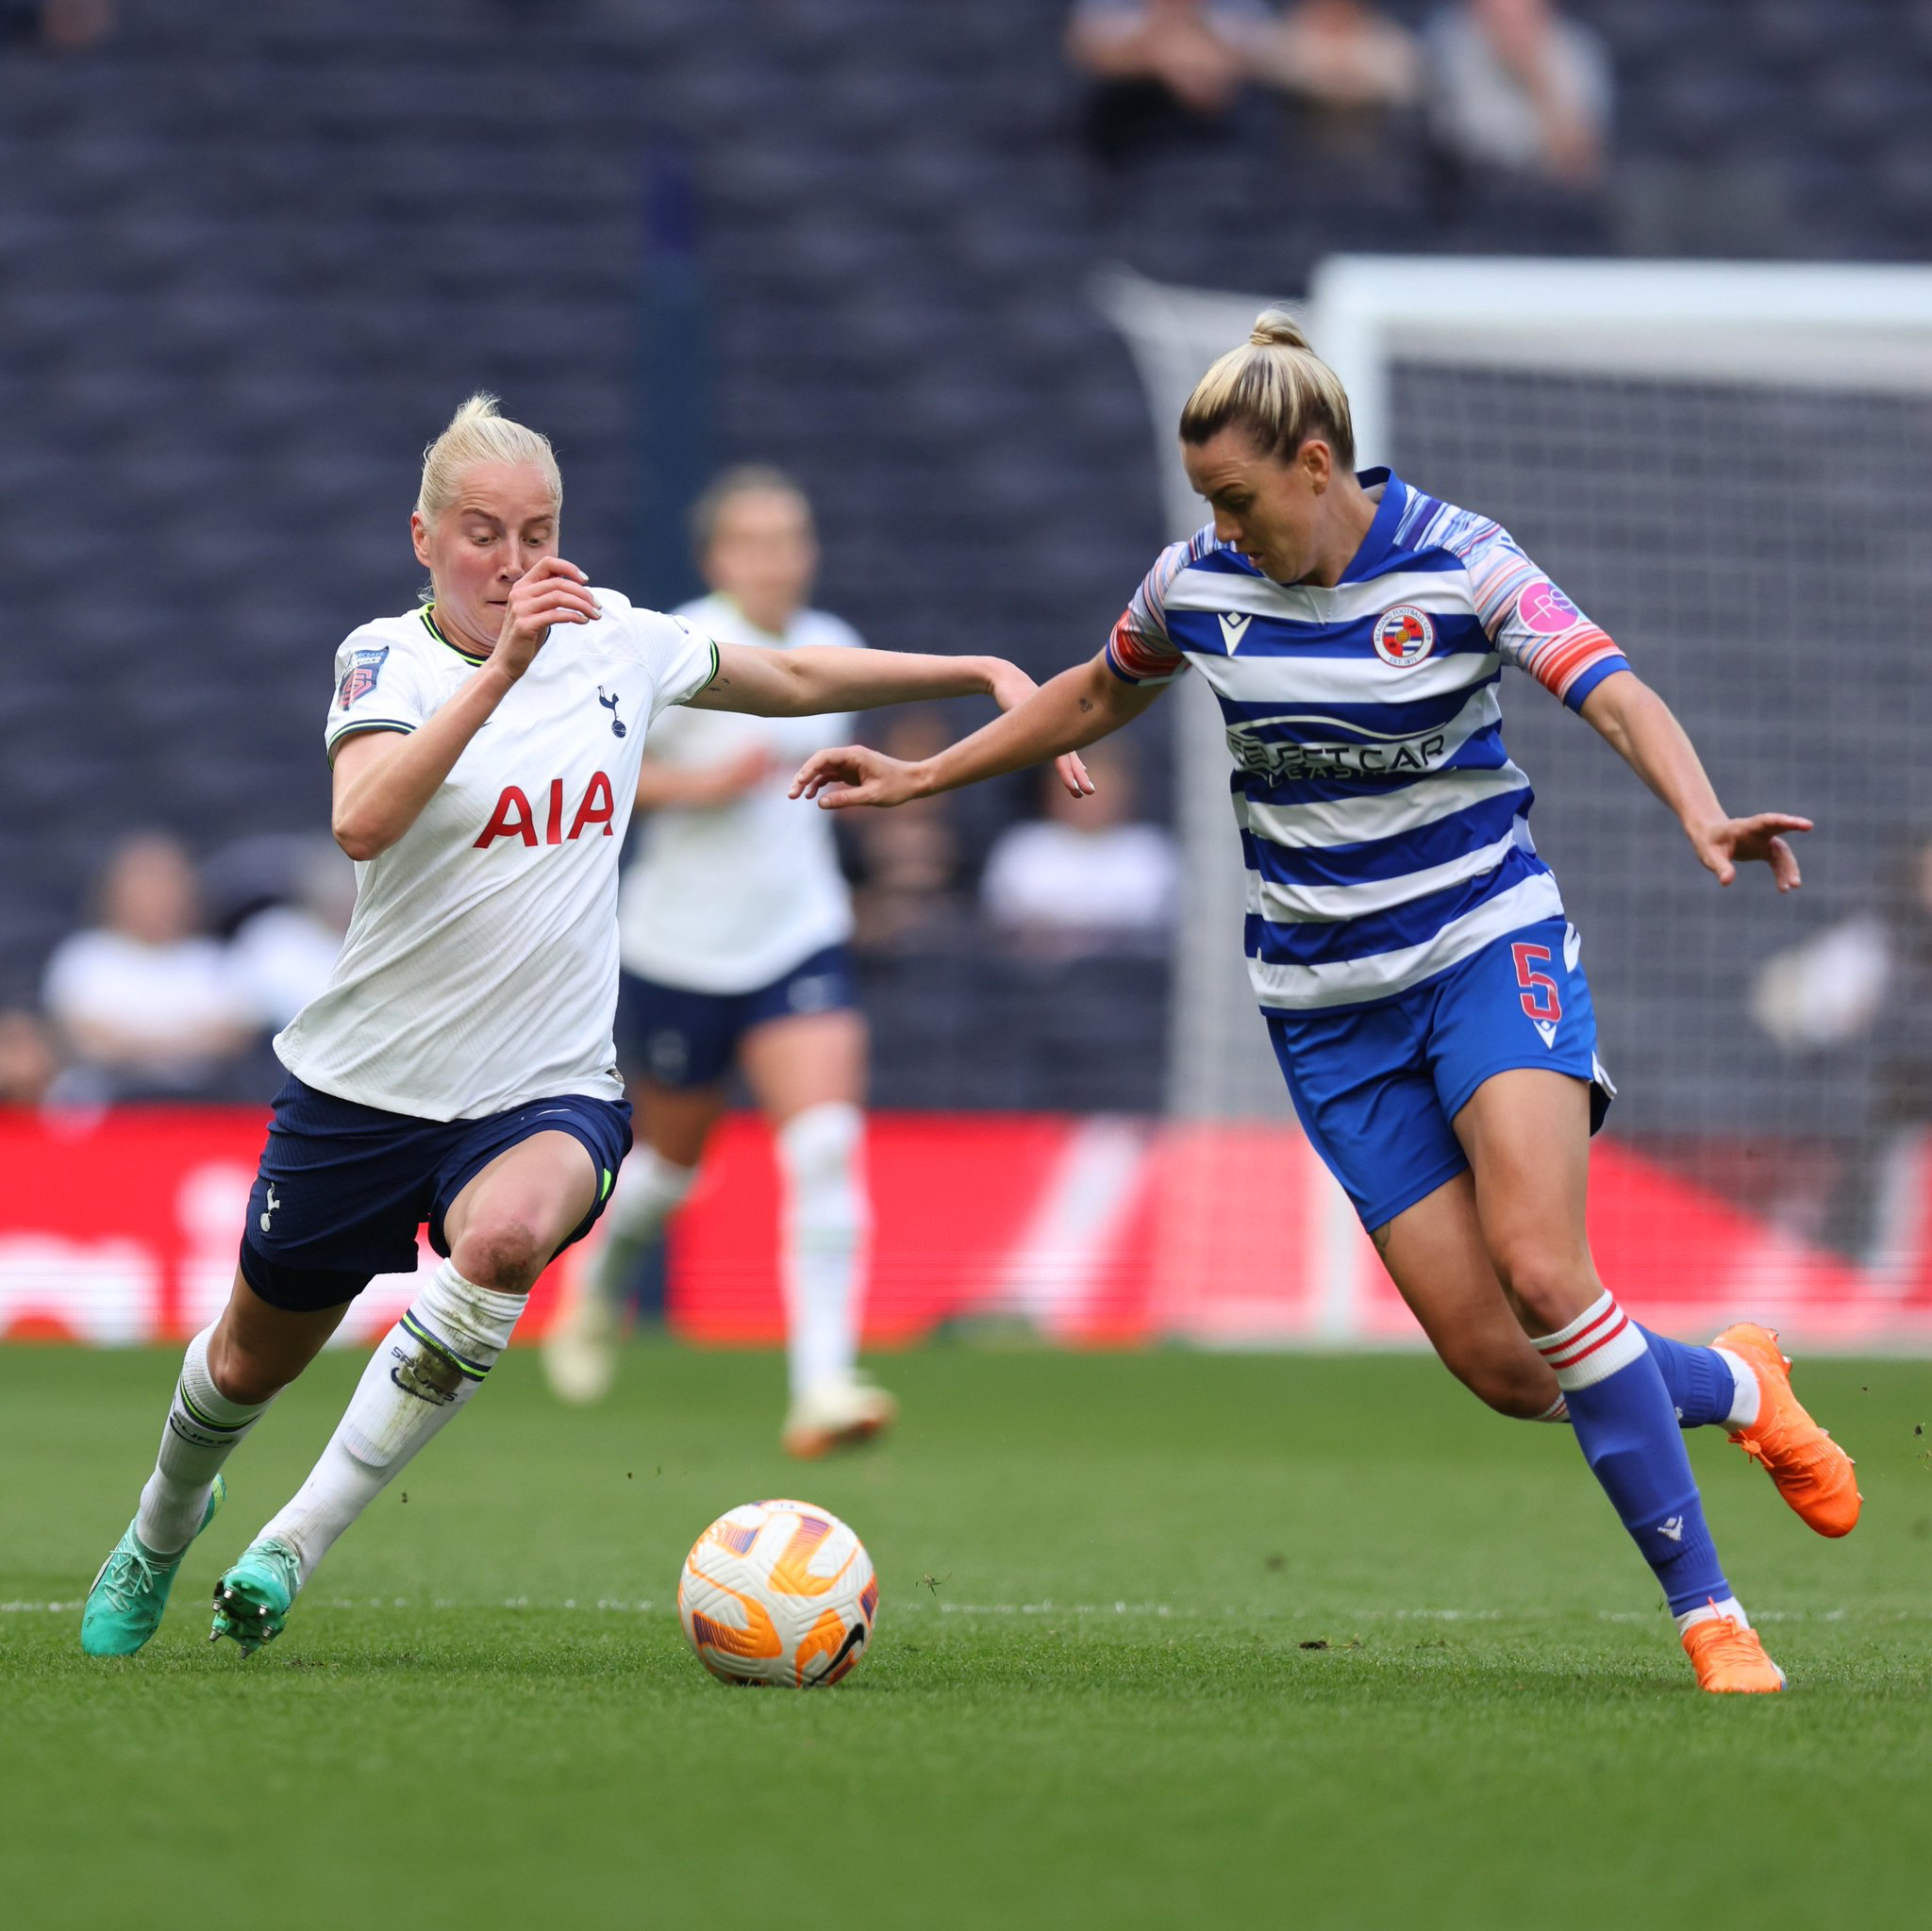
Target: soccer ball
[(778, 1593)]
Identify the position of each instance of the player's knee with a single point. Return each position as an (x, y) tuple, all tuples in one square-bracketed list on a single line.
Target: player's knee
[(503, 1252), (1548, 1285)]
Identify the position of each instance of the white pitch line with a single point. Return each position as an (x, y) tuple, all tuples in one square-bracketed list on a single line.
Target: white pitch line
[(914, 1606)]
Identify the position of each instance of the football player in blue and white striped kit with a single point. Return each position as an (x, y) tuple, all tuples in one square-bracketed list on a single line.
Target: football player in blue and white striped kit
[(1420, 985)]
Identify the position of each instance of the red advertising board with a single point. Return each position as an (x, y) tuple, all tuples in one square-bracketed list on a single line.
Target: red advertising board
[(1091, 1231)]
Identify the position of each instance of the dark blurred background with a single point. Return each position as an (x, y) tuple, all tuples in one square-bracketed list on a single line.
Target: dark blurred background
[(251, 259)]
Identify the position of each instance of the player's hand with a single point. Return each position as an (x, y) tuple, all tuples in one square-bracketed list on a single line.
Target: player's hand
[(856, 775), (1724, 846), (550, 592), (1012, 685)]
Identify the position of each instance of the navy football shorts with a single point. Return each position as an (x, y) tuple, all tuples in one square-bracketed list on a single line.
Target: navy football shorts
[(343, 1188), (1377, 1086), (680, 1039)]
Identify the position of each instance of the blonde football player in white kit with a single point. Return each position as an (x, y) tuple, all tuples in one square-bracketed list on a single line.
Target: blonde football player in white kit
[(458, 1067), (732, 928)]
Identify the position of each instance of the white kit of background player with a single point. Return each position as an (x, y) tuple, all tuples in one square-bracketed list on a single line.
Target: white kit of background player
[(733, 922)]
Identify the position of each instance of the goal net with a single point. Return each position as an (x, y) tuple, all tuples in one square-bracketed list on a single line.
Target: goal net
[(1729, 467)]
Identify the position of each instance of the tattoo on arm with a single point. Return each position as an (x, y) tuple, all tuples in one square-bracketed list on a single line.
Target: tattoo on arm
[(1086, 703), (1380, 1237)]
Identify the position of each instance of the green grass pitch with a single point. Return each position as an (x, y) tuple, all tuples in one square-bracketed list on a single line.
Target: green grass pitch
[(1165, 1639)]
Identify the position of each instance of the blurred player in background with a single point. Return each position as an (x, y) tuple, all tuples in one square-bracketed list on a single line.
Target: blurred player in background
[(733, 922), (143, 1000), (1868, 978), (458, 1067), (1421, 987)]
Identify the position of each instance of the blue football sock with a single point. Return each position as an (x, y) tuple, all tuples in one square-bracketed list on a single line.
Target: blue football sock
[(1626, 1426), (1701, 1387)]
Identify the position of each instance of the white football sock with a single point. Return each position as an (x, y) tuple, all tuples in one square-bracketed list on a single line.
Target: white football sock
[(202, 1427), (423, 1370), (1559, 1410), (649, 1190), (1722, 1605), (1745, 1404), (826, 1216)]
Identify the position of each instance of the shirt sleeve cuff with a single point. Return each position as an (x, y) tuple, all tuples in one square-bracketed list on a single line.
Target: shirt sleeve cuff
[(1589, 679), (1127, 676), (353, 728)]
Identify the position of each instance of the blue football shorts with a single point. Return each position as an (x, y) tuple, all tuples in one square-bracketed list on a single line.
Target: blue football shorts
[(1377, 1086), (343, 1188), (681, 1039)]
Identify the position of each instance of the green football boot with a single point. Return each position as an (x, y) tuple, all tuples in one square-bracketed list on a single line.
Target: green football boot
[(252, 1600), (125, 1606)]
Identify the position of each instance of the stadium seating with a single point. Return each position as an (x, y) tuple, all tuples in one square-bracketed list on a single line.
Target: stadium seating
[(250, 259)]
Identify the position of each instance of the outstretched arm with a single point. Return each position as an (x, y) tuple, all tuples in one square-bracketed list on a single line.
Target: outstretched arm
[(1642, 730), (830, 677), (1060, 717), (827, 678)]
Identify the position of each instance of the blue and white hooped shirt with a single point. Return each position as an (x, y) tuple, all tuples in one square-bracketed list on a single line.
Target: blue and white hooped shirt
[(1384, 828)]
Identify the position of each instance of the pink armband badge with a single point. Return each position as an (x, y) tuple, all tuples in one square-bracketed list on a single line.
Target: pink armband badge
[(1546, 609)]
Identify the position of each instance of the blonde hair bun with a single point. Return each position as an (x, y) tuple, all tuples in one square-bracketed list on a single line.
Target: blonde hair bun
[(1275, 388), (478, 432), (1277, 328)]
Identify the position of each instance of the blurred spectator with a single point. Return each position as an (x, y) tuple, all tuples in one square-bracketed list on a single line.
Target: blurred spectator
[(28, 1061), (908, 897), (284, 943), (1513, 86), (145, 1001), (1342, 59), (1164, 70), (1083, 876), (1870, 978), (64, 26), (1838, 985)]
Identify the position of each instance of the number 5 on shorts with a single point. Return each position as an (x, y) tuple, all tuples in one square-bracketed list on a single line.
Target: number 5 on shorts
[(1539, 995)]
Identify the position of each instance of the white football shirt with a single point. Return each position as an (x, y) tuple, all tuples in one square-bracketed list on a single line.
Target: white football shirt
[(480, 968), (730, 897)]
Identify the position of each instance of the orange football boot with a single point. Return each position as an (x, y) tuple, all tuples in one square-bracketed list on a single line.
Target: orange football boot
[(1812, 1472), (1729, 1660)]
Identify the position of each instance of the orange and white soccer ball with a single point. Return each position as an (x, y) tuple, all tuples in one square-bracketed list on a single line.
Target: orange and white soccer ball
[(778, 1593)]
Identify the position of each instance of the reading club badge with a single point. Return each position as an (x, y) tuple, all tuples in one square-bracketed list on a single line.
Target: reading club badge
[(1403, 635)]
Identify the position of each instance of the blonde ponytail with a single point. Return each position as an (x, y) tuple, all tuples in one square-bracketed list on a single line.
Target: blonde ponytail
[(477, 433), (1276, 388)]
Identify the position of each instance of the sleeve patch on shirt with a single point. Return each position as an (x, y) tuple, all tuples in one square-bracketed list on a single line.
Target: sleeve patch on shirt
[(360, 680), (1544, 608)]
